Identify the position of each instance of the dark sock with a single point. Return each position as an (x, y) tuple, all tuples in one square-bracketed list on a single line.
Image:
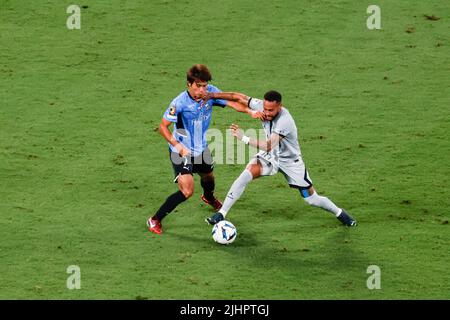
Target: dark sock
[(171, 203), (208, 189)]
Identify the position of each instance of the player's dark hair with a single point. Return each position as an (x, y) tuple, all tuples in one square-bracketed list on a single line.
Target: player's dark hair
[(198, 72), (273, 95)]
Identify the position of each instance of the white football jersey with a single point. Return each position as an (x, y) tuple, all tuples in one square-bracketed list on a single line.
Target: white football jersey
[(284, 125)]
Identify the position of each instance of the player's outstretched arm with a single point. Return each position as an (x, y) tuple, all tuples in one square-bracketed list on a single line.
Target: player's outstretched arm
[(266, 145), (230, 96), (237, 101), (239, 107)]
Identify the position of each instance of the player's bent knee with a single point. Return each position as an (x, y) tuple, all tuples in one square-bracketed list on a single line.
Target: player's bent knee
[(187, 192), (254, 169), (187, 189)]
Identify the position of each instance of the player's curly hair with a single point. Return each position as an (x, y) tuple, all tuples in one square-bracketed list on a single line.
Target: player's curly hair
[(198, 72), (273, 95)]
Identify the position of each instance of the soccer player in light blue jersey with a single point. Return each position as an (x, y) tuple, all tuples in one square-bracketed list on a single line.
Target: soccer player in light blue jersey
[(188, 149)]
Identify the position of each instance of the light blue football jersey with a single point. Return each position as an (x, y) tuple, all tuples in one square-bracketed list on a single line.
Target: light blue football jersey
[(191, 120)]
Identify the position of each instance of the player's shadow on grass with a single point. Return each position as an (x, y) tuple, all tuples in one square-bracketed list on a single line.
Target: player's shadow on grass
[(201, 234), (243, 241), (343, 253), (334, 254)]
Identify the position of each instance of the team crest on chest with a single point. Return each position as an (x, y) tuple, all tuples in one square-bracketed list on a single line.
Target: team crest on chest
[(205, 107)]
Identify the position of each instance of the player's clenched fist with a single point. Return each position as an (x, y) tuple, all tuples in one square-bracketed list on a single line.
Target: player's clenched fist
[(182, 150), (236, 132)]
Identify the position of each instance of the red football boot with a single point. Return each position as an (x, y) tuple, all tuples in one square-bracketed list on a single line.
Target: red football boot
[(154, 226), (216, 204)]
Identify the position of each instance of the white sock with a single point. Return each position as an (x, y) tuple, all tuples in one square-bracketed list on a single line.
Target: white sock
[(324, 203), (236, 191)]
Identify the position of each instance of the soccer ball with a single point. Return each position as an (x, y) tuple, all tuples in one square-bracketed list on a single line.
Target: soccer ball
[(224, 232)]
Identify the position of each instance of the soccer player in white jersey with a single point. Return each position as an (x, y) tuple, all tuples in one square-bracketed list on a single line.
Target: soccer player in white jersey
[(279, 153)]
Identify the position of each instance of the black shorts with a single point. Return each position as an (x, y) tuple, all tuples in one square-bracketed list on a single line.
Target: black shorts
[(190, 165)]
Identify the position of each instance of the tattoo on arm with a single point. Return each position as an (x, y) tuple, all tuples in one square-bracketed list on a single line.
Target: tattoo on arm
[(266, 145), (231, 96)]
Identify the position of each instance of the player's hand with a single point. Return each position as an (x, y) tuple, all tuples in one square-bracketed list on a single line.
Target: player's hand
[(182, 150), (185, 152), (258, 115), (205, 97), (236, 132)]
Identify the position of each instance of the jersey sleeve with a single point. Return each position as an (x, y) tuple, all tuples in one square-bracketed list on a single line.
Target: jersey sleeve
[(256, 104), (172, 111), (217, 102)]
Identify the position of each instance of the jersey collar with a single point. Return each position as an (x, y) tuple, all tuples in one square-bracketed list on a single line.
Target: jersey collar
[(187, 91)]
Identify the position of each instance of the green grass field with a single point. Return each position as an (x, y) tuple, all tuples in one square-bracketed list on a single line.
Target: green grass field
[(81, 166)]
